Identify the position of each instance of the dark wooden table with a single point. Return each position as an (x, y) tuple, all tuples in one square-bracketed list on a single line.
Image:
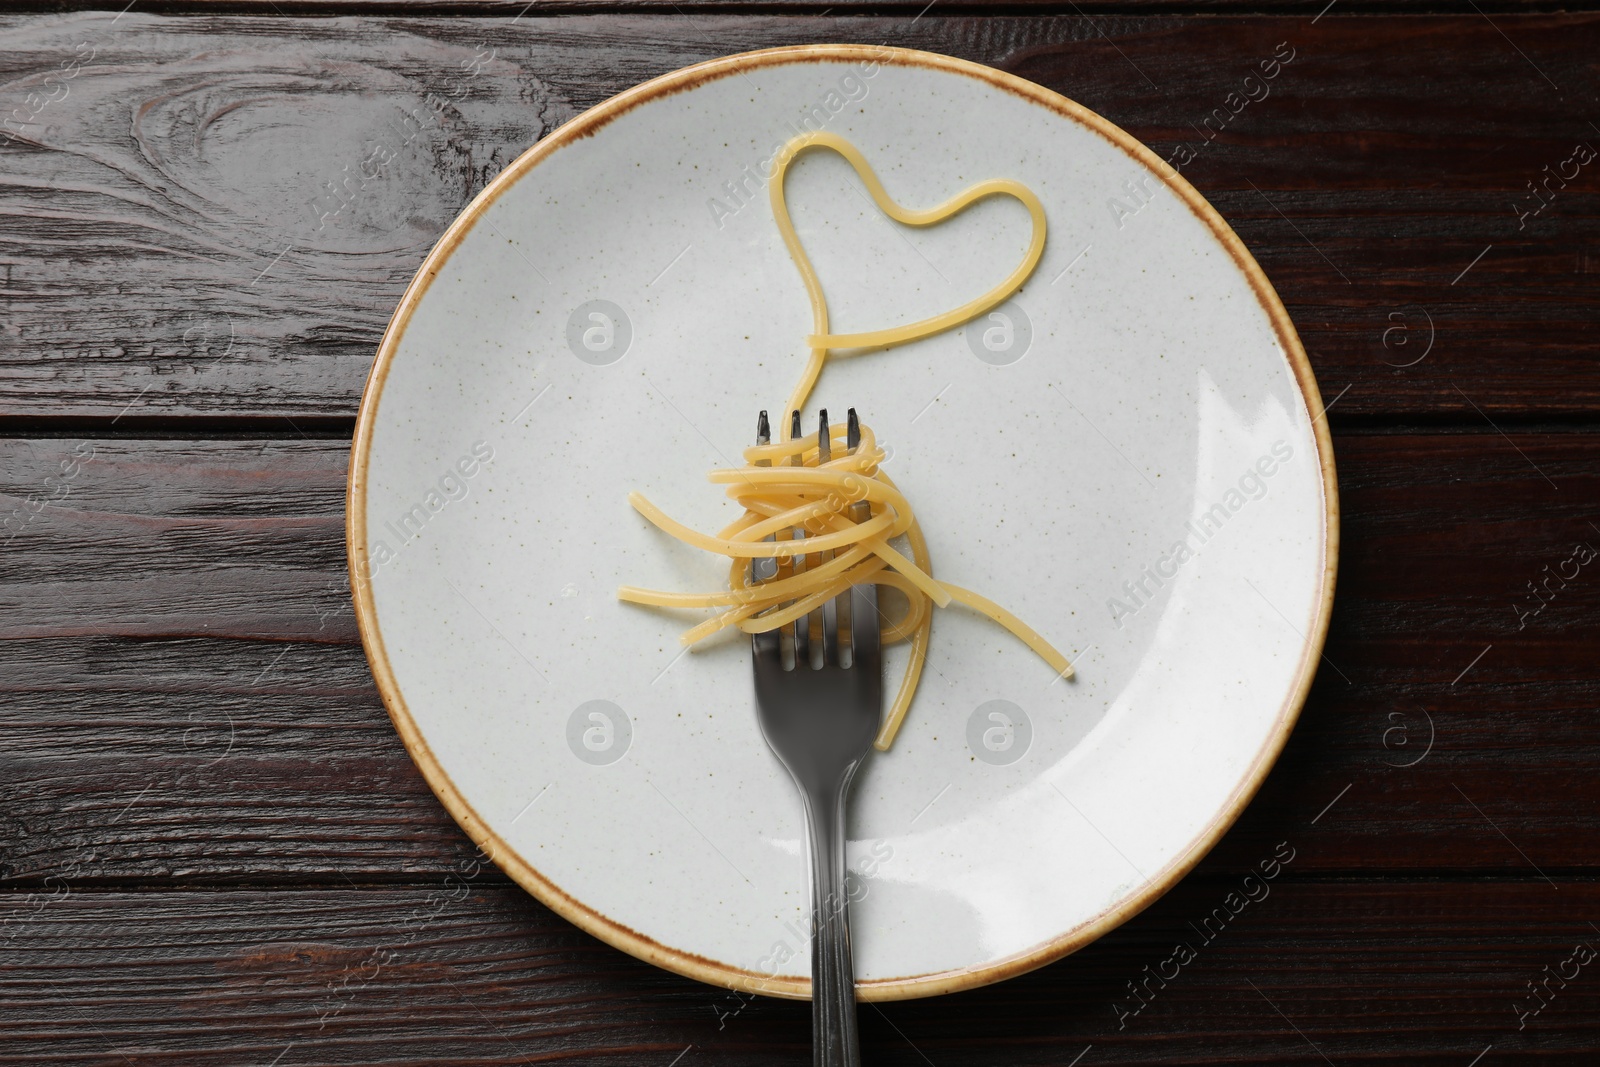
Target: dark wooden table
[(215, 848)]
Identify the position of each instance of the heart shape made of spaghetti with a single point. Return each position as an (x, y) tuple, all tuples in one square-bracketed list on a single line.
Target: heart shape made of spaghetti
[(821, 341)]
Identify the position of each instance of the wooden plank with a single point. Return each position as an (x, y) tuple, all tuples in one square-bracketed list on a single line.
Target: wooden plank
[(1310, 972), (166, 539), (1310, 9), (185, 696), (189, 232)]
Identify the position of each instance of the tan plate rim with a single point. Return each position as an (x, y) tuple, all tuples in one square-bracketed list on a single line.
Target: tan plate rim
[(699, 967)]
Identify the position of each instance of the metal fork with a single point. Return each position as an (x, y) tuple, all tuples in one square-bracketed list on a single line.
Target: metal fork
[(820, 721)]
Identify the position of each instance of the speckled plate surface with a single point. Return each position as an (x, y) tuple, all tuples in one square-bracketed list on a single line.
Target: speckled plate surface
[(1131, 457)]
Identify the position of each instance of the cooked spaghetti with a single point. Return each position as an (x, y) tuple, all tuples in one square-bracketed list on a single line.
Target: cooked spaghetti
[(849, 509)]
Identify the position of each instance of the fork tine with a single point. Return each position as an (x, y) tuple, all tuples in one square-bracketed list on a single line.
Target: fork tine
[(825, 620), (865, 619), (802, 625), (829, 613), (844, 606), (864, 630), (830, 630), (767, 644), (764, 569)]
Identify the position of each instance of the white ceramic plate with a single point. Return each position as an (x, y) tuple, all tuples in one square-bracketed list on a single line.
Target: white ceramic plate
[(1152, 394)]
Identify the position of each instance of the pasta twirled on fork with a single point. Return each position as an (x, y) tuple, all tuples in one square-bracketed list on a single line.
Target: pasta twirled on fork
[(815, 486)]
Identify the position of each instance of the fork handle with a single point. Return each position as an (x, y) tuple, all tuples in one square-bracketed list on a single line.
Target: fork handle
[(833, 989)]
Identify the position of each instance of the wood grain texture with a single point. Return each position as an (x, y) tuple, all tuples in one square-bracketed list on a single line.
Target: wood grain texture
[(214, 848), (215, 215), (1311, 972), (184, 696), (815, 8)]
